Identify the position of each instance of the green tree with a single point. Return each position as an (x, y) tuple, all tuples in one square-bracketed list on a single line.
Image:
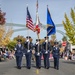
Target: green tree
[(64, 38), (11, 45), (20, 37), (53, 38), (69, 26)]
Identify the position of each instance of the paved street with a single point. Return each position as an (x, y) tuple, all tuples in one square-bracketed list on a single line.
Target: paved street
[(9, 68)]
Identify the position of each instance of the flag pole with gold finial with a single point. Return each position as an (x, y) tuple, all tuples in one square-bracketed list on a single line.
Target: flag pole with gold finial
[(37, 29), (46, 33)]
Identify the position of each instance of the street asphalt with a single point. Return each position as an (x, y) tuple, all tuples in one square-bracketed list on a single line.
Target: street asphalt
[(67, 67)]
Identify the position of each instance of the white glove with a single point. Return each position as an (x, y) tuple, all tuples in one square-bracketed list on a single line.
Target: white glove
[(27, 40), (46, 40), (38, 53), (28, 51), (37, 43), (15, 49), (46, 52)]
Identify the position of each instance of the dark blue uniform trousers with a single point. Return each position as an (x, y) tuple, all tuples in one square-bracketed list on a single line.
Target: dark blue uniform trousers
[(38, 61), (56, 62), (28, 60), (46, 60), (18, 60)]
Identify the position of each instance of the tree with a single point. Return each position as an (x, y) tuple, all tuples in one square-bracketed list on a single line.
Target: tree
[(11, 45), (64, 38), (53, 39), (2, 17), (21, 38), (5, 32), (69, 26)]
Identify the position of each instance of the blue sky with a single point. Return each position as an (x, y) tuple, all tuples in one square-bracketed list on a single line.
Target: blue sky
[(16, 13)]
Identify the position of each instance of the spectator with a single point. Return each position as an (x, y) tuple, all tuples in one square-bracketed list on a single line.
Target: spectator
[(0, 54)]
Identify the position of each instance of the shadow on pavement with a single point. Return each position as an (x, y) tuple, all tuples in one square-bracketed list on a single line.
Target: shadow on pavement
[(69, 62)]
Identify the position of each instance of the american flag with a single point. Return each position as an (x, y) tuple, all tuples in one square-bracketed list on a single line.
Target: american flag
[(29, 22)]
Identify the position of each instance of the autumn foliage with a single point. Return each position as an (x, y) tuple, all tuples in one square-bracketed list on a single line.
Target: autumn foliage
[(5, 32), (2, 18)]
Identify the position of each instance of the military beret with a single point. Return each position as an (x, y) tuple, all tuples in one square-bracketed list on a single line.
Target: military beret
[(28, 37), (37, 39)]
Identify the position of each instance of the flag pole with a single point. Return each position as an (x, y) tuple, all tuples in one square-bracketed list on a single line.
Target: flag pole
[(39, 42), (46, 33), (50, 25), (28, 33), (28, 38), (38, 34)]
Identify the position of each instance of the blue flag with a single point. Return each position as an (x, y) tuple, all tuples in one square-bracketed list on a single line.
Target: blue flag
[(51, 29)]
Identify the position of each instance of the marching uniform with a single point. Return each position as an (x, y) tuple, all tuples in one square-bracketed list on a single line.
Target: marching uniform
[(38, 53), (19, 53), (46, 52), (56, 54), (28, 51)]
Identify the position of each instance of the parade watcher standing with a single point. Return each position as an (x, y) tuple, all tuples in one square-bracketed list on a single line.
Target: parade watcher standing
[(0, 55), (46, 52), (3, 50), (56, 55), (28, 51), (38, 53), (19, 53)]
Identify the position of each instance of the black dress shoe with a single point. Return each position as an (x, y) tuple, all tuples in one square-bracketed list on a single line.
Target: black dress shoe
[(19, 67), (54, 67), (57, 68), (47, 68), (28, 67), (44, 66), (39, 67)]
